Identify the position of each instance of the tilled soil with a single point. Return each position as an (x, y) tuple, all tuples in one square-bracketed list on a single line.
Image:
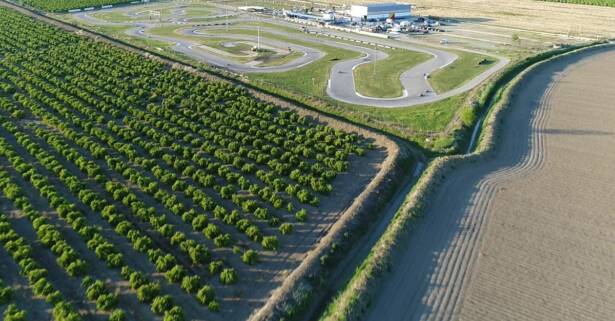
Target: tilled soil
[(530, 233)]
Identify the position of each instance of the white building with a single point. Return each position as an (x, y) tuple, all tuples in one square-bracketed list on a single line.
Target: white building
[(380, 11)]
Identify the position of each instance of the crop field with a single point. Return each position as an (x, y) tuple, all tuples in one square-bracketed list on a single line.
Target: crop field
[(64, 5), (131, 190), (526, 233), (190, 160), (605, 3)]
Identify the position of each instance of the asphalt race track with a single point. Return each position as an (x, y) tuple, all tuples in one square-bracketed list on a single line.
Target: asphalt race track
[(417, 89)]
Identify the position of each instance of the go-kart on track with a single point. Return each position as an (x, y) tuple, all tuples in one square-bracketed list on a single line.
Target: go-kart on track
[(417, 89), (529, 233)]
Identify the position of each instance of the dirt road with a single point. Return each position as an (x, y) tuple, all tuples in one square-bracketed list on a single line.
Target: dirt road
[(530, 233)]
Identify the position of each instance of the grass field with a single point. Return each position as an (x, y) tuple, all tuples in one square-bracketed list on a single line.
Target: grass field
[(428, 118), (118, 32), (381, 78), (118, 16), (425, 125), (239, 48), (310, 79), (465, 68), (276, 60)]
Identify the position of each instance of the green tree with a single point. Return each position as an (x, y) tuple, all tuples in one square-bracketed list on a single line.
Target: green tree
[(147, 292), (249, 257), (118, 315), (12, 313), (161, 304), (270, 243), (286, 228), (228, 276), (191, 283), (205, 294)]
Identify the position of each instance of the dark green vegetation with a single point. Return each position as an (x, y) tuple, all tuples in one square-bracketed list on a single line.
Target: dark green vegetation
[(124, 150), (65, 5), (604, 3)]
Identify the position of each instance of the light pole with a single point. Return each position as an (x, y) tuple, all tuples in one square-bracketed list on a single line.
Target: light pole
[(258, 38)]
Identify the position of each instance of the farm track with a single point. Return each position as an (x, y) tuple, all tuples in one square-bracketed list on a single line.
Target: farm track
[(527, 234)]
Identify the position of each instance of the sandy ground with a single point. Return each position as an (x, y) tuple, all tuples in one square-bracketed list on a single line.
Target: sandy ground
[(529, 234)]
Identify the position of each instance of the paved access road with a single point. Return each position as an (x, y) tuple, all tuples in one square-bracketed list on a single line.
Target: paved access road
[(529, 233)]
